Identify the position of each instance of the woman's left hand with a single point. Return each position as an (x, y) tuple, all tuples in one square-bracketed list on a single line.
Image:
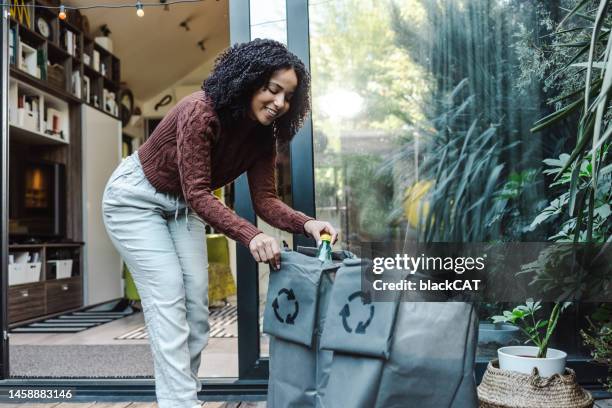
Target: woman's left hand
[(315, 228)]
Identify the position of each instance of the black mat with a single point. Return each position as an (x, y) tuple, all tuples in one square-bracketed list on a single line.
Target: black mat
[(78, 321)]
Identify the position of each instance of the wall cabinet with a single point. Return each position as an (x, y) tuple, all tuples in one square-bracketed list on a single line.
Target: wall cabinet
[(47, 293)]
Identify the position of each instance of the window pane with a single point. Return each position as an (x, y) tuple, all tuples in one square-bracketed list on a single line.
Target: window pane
[(422, 117), (268, 20)]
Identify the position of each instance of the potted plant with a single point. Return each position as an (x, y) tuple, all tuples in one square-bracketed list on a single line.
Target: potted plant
[(523, 359)]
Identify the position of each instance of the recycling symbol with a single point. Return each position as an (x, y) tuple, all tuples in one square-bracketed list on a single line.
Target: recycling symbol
[(346, 312), (290, 319)]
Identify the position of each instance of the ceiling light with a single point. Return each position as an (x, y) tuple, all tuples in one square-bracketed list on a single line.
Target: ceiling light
[(62, 12), (139, 9)]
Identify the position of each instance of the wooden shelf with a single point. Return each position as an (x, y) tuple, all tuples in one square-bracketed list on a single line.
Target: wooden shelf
[(31, 137), (49, 294), (48, 245), (102, 110), (42, 85), (57, 50)]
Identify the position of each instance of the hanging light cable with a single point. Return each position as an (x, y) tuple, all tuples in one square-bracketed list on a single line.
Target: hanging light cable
[(97, 6), (139, 9)]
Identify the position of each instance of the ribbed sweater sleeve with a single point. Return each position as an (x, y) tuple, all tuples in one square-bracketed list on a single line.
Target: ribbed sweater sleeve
[(195, 130), (267, 205)]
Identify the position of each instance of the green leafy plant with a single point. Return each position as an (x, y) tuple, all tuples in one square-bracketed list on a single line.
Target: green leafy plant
[(573, 227), (599, 338), (537, 330), (586, 170)]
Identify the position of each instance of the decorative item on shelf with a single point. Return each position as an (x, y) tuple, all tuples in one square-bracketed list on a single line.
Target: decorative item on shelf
[(502, 388), (28, 112), (77, 85), (43, 28), (56, 76), (28, 59), (103, 69), (70, 42), (13, 45), (103, 40), (110, 102), (75, 18), (86, 59), (87, 88), (96, 60), (126, 105), (41, 63), (54, 122), (21, 12)]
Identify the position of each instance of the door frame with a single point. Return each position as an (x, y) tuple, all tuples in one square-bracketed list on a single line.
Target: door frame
[(250, 363), (4, 83)]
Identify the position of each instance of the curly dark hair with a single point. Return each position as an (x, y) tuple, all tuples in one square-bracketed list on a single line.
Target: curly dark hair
[(244, 68)]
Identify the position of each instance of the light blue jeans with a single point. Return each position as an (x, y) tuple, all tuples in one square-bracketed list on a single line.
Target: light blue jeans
[(166, 254)]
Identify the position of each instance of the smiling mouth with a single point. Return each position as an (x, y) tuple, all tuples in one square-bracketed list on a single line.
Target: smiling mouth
[(272, 113)]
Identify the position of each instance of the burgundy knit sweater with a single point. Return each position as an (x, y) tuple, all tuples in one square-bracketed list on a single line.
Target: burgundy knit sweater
[(189, 154)]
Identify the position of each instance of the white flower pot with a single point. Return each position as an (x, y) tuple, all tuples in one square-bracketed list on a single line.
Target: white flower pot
[(522, 359)]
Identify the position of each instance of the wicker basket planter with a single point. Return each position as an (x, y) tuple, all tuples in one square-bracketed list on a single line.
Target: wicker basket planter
[(509, 389)]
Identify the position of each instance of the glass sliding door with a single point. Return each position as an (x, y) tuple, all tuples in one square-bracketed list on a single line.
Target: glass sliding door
[(419, 105)]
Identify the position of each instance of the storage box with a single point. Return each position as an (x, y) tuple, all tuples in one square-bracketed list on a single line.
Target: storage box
[(20, 273), (63, 268), (56, 75)]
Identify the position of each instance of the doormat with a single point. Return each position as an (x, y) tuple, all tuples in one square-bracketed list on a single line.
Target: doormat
[(221, 321), (73, 322)]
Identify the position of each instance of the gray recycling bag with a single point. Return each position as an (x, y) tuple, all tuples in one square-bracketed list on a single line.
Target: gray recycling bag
[(359, 332), (292, 298), (397, 354), (298, 297), (431, 363), (331, 346), (354, 323)]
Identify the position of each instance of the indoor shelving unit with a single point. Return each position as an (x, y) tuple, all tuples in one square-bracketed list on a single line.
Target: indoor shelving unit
[(55, 69)]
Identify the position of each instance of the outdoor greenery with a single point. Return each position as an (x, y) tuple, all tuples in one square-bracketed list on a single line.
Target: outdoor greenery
[(599, 338), (578, 61), (478, 121)]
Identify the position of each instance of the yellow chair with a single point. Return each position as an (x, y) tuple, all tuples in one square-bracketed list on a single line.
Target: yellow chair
[(221, 283)]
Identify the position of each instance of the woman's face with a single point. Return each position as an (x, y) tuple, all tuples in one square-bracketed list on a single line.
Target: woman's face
[(271, 101)]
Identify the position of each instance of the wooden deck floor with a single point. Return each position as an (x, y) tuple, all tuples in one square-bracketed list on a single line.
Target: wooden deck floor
[(129, 405)]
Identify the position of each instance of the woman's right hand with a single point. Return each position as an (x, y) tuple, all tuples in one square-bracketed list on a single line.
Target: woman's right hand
[(264, 248)]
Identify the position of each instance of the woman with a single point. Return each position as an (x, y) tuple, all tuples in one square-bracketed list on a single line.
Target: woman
[(255, 98)]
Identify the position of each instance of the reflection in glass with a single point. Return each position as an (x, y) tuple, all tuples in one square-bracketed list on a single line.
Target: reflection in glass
[(422, 117)]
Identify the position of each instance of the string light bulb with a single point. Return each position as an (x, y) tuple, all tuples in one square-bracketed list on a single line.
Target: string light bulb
[(139, 9), (62, 12)]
